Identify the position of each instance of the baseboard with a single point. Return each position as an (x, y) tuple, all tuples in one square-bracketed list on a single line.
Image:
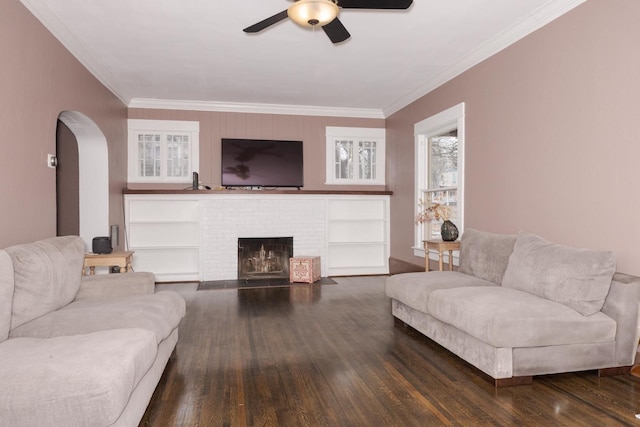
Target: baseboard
[(397, 266)]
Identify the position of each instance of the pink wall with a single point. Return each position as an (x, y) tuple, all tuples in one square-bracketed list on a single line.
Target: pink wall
[(217, 125), (552, 144), (39, 79)]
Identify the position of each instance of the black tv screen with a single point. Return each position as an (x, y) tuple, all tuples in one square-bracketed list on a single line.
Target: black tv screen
[(261, 163)]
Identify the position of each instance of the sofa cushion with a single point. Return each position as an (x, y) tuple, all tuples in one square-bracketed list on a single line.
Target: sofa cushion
[(103, 286), (413, 289), (577, 278), (82, 380), (6, 294), (504, 317), (47, 276), (485, 255), (159, 313)]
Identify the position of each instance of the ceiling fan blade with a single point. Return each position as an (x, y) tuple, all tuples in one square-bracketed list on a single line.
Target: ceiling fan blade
[(267, 22), (336, 31), (374, 4)]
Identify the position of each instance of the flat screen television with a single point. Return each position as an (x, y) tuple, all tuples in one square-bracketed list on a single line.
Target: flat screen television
[(261, 163)]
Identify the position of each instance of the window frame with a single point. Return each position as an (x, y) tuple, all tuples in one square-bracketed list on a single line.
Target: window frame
[(358, 135), (162, 127), (447, 120)]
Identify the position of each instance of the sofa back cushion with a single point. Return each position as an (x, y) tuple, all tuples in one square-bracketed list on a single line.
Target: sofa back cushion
[(6, 294), (577, 278), (47, 276), (485, 255)]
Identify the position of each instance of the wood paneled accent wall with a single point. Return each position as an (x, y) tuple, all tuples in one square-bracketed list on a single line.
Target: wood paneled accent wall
[(216, 125)]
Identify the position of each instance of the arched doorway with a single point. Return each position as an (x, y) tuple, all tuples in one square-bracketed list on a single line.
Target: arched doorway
[(93, 176)]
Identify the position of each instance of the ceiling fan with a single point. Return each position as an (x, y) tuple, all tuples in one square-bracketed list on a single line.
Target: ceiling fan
[(324, 14)]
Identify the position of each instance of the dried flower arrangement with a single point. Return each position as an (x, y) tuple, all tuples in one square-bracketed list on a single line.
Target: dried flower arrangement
[(432, 213)]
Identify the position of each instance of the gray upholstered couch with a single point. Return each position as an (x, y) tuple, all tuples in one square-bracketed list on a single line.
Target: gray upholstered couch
[(79, 350), (520, 306)]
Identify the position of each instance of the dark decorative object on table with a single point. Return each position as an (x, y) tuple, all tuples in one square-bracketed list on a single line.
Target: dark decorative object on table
[(101, 245), (448, 231), (434, 213)]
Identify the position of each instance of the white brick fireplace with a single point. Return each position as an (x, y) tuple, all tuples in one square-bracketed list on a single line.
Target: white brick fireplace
[(223, 221)]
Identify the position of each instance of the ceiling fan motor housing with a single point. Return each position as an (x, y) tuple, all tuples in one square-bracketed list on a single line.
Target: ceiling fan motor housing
[(310, 13)]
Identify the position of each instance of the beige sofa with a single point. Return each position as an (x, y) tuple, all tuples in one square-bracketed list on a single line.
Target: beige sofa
[(521, 306), (79, 350)]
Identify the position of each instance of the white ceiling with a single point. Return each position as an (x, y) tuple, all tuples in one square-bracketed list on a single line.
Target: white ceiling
[(193, 54)]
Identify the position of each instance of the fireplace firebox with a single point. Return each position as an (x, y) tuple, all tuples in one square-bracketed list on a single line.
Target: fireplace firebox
[(264, 257)]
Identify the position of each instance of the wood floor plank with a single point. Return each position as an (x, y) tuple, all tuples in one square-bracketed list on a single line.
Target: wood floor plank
[(334, 356)]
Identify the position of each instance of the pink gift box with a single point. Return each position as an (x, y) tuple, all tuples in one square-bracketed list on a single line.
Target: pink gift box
[(304, 269)]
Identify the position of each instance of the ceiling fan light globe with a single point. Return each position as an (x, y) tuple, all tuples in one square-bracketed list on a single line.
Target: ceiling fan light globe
[(310, 13)]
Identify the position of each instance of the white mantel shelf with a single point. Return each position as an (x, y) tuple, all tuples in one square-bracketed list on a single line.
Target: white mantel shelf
[(258, 192), (191, 235)]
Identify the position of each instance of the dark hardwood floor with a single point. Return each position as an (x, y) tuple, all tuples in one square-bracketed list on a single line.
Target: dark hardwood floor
[(332, 355)]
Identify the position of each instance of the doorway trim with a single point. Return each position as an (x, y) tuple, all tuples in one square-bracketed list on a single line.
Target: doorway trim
[(93, 171)]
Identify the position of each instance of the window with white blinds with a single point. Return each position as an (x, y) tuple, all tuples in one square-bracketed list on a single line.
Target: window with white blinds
[(163, 150), (439, 167), (355, 156), (441, 183)]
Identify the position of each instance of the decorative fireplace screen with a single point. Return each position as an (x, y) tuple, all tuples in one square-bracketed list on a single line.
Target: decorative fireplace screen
[(264, 257)]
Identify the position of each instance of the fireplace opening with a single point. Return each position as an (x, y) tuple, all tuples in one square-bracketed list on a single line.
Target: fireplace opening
[(264, 257)]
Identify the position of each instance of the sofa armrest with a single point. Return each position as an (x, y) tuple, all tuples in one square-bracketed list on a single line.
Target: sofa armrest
[(116, 285), (623, 305)]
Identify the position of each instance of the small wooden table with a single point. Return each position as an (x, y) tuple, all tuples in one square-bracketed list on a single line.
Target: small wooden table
[(121, 259), (440, 246)]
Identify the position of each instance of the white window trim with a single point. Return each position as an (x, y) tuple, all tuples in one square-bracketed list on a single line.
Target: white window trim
[(442, 122), (376, 134), (178, 126)]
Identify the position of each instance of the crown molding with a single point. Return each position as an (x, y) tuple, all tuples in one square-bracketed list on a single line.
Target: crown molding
[(236, 107), (534, 21)]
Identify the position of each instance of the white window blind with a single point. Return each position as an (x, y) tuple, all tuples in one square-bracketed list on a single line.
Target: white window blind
[(355, 156), (163, 150)]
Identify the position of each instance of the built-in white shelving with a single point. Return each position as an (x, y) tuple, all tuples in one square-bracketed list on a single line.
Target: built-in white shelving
[(165, 237), (358, 236), (193, 236)]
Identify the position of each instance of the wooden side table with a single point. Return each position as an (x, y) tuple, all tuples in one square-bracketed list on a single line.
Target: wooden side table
[(121, 259), (440, 246)]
